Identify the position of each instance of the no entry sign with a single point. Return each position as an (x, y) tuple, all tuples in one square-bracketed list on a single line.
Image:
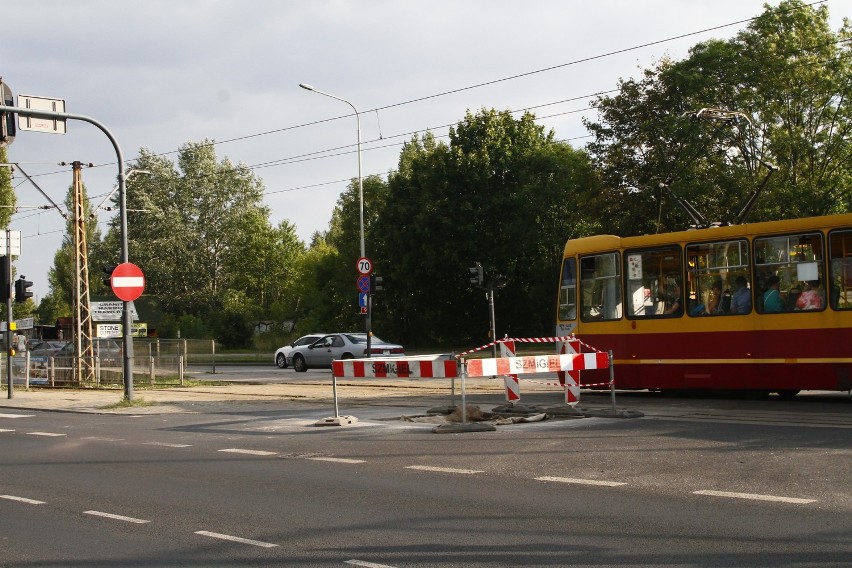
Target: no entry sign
[(127, 281)]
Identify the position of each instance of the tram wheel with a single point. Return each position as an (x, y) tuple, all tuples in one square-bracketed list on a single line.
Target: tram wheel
[(788, 394)]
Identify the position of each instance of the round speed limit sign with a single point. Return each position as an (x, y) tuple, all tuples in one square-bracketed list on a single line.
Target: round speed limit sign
[(365, 266)]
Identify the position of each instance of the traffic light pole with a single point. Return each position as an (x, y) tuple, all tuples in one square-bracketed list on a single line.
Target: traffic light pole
[(127, 362), (8, 287)]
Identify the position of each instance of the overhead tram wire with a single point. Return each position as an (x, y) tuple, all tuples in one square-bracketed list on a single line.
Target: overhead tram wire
[(483, 84)]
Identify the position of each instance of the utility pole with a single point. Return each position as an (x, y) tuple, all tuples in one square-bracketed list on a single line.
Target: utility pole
[(85, 371)]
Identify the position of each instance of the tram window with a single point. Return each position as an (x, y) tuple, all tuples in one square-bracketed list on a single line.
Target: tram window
[(600, 287), (653, 282), (718, 279), (568, 291), (840, 249), (796, 263)]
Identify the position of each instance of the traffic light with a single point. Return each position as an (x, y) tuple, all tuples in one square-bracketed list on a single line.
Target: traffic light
[(477, 276), (376, 284), (108, 270), (22, 290), (7, 119), (4, 279)]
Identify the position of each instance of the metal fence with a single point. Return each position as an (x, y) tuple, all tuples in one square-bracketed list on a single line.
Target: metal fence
[(155, 362)]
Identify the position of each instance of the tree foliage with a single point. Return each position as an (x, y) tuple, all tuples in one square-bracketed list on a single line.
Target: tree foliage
[(502, 193), (200, 232), (787, 78)]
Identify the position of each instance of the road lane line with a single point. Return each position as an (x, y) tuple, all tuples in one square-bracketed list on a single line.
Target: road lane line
[(5, 430), (237, 539), (166, 444), (16, 415), (755, 496), (442, 469), (116, 517), (367, 564), (581, 481), (338, 460), (250, 452), (45, 434), (103, 439), (22, 499)]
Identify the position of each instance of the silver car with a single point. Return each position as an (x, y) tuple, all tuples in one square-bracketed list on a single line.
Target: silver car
[(339, 346), (283, 353)]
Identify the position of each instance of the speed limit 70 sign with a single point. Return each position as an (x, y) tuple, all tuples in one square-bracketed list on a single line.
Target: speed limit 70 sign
[(364, 266)]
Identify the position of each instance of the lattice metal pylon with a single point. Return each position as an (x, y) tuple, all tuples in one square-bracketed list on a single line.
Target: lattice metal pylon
[(83, 348)]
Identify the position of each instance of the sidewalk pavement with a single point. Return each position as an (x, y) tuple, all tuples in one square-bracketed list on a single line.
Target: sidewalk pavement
[(240, 396)]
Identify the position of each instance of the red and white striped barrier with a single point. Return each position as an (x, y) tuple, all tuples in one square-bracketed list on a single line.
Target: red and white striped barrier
[(403, 368), (537, 364), (513, 387)]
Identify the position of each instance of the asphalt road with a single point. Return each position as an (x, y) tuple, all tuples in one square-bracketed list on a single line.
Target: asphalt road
[(697, 482)]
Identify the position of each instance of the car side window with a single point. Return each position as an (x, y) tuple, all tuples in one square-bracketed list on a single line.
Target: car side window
[(337, 341)]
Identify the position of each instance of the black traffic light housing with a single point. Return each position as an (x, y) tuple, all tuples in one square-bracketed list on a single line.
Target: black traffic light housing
[(376, 284), (22, 290), (7, 119), (108, 270), (477, 275), (4, 280)]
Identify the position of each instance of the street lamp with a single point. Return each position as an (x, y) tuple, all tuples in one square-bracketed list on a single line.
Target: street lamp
[(360, 200), (360, 181)]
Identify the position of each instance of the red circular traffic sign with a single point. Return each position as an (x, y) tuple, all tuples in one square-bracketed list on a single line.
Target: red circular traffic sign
[(127, 281), (364, 266)]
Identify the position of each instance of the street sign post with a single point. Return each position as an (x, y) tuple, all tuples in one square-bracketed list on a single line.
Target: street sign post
[(127, 281)]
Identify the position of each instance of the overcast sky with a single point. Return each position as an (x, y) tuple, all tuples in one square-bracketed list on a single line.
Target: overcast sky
[(159, 74)]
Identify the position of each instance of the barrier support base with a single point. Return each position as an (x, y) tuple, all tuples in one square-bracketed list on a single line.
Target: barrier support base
[(337, 421), (442, 410), (565, 411), (517, 410), (464, 427), (609, 413)]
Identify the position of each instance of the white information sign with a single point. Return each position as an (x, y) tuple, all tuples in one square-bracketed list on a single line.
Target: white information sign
[(14, 243), (52, 125), (115, 330), (110, 311)]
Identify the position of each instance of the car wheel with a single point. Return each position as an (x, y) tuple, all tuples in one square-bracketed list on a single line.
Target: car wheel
[(299, 364), (281, 361), (348, 356)]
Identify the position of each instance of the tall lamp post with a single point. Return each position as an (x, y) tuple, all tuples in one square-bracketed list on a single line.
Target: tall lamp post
[(360, 199)]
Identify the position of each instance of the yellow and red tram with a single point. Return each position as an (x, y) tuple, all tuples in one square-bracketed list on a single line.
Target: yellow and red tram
[(762, 306)]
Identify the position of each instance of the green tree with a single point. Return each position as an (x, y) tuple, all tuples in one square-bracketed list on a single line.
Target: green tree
[(59, 300), (786, 79), (200, 232), (7, 193), (502, 193)]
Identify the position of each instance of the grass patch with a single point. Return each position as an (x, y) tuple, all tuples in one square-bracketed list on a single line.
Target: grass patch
[(124, 403)]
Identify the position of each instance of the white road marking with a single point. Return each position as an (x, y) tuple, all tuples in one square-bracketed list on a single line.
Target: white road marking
[(581, 481), (103, 439), (250, 452), (442, 469), (16, 415), (5, 430), (367, 564), (22, 499), (116, 517), (45, 434), (338, 460), (755, 496), (166, 444), (237, 539)]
